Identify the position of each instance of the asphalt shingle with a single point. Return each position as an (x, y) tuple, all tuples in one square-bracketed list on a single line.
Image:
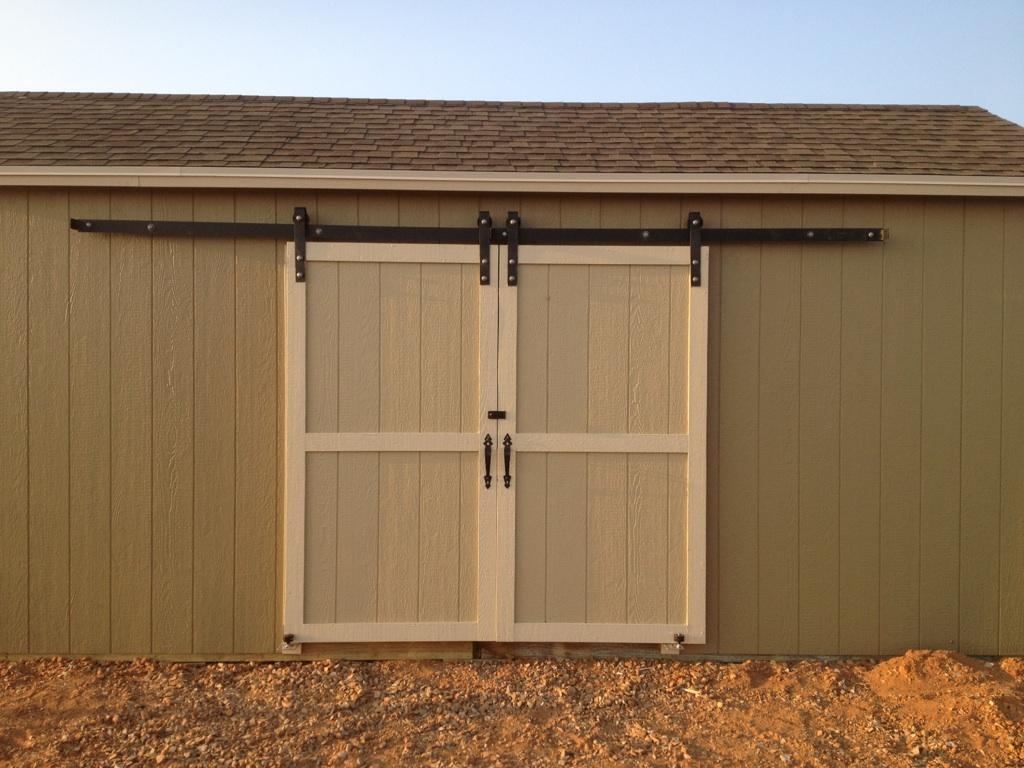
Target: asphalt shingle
[(88, 129)]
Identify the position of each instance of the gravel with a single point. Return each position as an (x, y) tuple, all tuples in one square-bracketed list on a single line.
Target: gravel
[(919, 709)]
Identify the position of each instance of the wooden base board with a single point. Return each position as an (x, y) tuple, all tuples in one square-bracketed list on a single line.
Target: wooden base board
[(567, 651), (454, 651)]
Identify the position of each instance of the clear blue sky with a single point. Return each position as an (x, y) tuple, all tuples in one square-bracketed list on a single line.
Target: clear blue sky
[(871, 51)]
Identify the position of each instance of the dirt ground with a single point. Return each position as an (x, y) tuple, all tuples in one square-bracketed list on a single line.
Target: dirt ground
[(920, 709)]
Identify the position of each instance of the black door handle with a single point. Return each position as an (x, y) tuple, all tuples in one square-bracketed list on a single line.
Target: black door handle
[(507, 442), (487, 461)]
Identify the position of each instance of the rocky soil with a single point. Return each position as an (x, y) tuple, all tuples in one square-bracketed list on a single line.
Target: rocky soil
[(920, 709)]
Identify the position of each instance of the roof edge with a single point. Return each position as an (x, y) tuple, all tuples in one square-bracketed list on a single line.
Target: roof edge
[(156, 177)]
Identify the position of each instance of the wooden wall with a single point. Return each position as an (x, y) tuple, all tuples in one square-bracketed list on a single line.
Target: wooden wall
[(139, 429), (866, 423)]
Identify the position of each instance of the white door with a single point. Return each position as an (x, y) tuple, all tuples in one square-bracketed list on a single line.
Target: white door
[(391, 366), (602, 372)]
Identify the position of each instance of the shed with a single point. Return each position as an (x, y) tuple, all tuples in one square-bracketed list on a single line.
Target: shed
[(296, 375)]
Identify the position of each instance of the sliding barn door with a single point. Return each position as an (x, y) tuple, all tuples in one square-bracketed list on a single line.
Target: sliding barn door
[(391, 366), (602, 366), (583, 519)]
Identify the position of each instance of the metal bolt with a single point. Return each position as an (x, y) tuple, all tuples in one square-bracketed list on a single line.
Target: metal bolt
[(483, 261), (88, 225), (299, 257), (511, 278), (151, 227), (300, 275), (694, 262), (645, 235), (483, 278), (694, 280), (695, 222), (319, 230), (810, 234), (511, 262), (298, 217), (483, 222), (871, 234), (513, 222)]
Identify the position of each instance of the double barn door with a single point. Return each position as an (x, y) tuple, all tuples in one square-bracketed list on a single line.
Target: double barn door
[(417, 511)]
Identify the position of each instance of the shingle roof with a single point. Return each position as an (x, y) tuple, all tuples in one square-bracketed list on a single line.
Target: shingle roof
[(42, 129)]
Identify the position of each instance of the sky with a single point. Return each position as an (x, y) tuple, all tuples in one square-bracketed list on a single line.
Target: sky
[(866, 51)]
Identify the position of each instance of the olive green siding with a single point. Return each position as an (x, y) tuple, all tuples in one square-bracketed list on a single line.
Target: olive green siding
[(865, 436)]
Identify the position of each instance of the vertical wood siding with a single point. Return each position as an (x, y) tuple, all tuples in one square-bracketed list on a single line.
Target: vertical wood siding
[(131, 430), (865, 435), (138, 408), (90, 424), (14, 422)]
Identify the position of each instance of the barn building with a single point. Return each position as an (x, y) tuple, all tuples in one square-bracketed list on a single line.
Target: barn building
[(295, 376)]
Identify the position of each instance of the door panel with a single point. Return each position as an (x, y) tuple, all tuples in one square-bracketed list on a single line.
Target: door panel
[(418, 322), (389, 531), (606, 419), (602, 349), (599, 538)]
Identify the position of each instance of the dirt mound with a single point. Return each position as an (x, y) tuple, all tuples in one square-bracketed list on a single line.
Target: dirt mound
[(953, 700), (1014, 667), (928, 671)]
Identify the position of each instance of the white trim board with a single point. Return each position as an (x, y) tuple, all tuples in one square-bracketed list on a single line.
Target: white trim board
[(153, 177)]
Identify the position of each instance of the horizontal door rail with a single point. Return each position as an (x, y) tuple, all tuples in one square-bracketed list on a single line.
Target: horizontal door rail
[(597, 442), (608, 255), (513, 235), (385, 632), (373, 442), (402, 253), (605, 633), (341, 233)]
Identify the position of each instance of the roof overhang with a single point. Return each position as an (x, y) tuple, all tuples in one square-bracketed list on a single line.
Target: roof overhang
[(155, 177)]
